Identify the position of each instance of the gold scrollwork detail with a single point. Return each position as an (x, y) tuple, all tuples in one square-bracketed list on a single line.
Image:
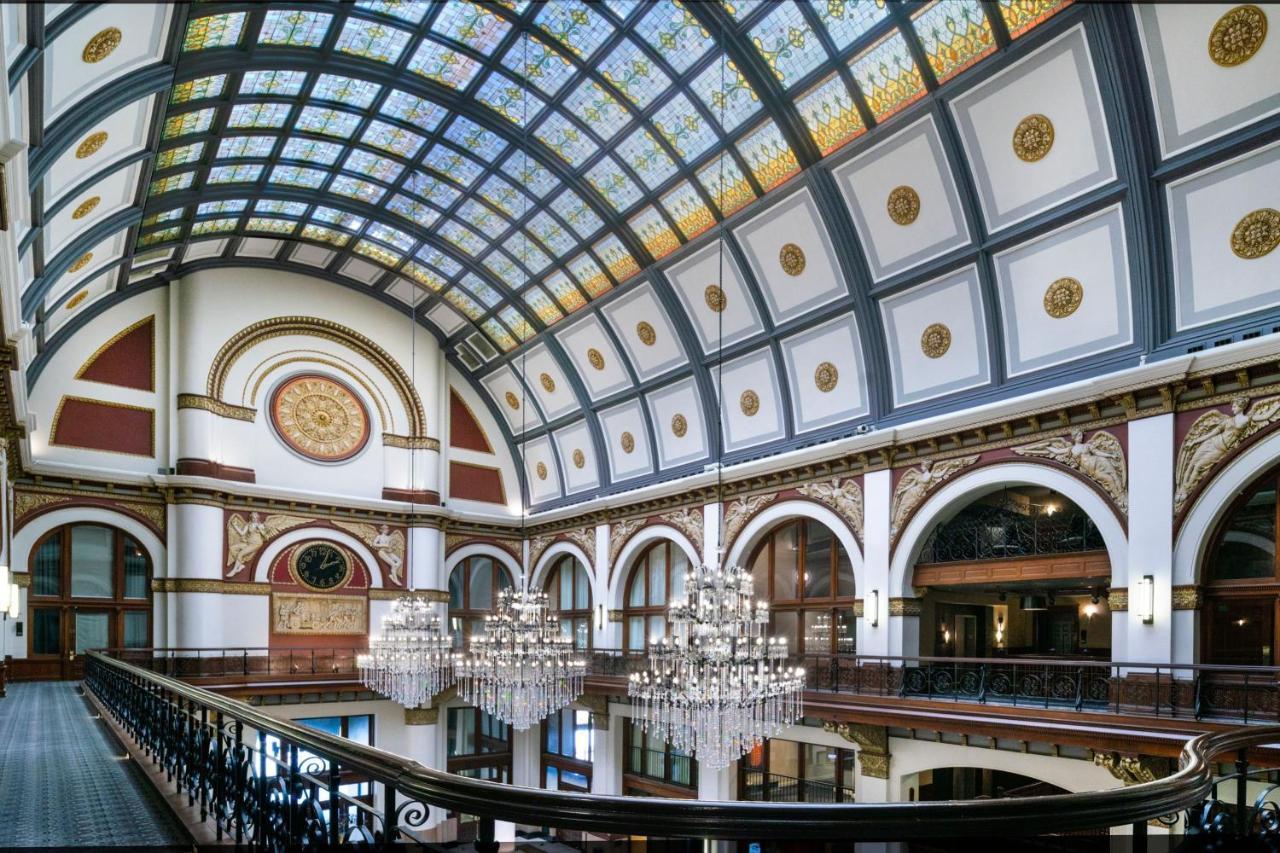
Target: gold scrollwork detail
[(679, 425), (74, 302), (1237, 35), (645, 332), (91, 144), (81, 262), (825, 376), (1256, 234), (217, 407), (1033, 137), (86, 207), (903, 205), (595, 359), (791, 258), (410, 442), (101, 45), (936, 340), (1063, 297), (541, 470), (749, 402)]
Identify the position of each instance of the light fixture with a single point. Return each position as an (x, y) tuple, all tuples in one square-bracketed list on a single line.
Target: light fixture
[(1090, 610), (1145, 601), (875, 608), (410, 660), (599, 617), (719, 685), (1034, 602), (999, 629)]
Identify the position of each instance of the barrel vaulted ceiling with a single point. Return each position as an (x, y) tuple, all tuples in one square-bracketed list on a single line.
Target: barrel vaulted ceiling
[(879, 210)]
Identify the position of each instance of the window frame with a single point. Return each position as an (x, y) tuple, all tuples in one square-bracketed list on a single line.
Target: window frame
[(629, 611), (561, 761), (574, 614), (467, 614)]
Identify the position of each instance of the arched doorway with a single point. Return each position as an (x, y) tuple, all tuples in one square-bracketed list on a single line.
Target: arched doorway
[(971, 783), (1019, 572), (90, 589), (805, 574), (1241, 577)]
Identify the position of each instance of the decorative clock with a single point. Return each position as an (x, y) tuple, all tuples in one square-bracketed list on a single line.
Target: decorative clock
[(320, 418), (320, 566)]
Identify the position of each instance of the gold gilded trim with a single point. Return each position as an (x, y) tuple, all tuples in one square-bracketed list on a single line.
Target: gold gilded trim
[(22, 580), (903, 205), (74, 302), (904, 607), (791, 259), (81, 262), (217, 407), (1256, 234), (595, 358), (86, 207), (825, 376), (679, 425), (1033, 137), (935, 340), (1237, 35), (1063, 297), (91, 144), (749, 402), (1186, 597), (101, 45), (716, 300), (645, 332), (410, 442), (1118, 599), (115, 339), (201, 585)]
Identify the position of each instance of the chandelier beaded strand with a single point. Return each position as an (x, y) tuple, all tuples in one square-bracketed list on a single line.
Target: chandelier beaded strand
[(411, 659)]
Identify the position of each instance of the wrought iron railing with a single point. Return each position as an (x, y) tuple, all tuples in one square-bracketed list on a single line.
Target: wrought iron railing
[(270, 783), (998, 531), (762, 786), (662, 766)]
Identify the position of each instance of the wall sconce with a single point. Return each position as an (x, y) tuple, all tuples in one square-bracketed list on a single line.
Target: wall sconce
[(946, 634), (599, 617), (999, 629), (1145, 602), (875, 608)]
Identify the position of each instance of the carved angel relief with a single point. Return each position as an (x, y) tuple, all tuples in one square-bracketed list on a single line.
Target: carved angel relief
[(740, 511), (246, 536), (388, 544), (689, 522), (917, 483), (1101, 459), (1214, 435), (619, 532), (844, 496)]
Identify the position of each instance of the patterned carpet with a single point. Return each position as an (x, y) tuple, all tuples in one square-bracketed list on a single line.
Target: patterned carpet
[(63, 782)]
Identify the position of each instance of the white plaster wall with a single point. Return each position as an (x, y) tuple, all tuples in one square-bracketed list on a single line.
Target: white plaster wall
[(500, 458)]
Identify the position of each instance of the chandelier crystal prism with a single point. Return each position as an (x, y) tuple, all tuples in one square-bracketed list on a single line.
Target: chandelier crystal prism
[(719, 684), (411, 658), (522, 668)]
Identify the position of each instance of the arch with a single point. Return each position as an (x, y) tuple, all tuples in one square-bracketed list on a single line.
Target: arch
[(24, 540), (480, 549), (768, 518), (641, 539), (262, 567), (962, 490), (556, 549), (250, 336), (260, 373), (1213, 502), (1070, 774)]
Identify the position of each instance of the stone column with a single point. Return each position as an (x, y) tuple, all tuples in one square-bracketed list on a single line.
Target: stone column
[(880, 638), (526, 757), (197, 602), (872, 743), (1150, 538), (424, 744), (606, 746)]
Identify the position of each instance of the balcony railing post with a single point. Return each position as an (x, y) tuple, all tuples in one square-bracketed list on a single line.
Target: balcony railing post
[(1242, 793), (334, 801), (391, 830), (485, 841), (1079, 688), (260, 819)]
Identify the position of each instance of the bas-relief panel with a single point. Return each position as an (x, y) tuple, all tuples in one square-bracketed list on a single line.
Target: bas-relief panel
[(248, 532), (306, 613)]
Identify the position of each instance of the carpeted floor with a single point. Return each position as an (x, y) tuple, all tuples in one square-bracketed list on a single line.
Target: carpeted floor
[(63, 781)]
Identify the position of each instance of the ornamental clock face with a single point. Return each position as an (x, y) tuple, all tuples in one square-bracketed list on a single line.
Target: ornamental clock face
[(320, 566), (320, 418)]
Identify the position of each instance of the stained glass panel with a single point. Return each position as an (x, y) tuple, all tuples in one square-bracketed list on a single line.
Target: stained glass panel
[(634, 74), (590, 276), (684, 128), (233, 147), (674, 32), (787, 43), (238, 174), (609, 180), (482, 218), (848, 20), (642, 153), (423, 276), (229, 205), (472, 25), (726, 94), (742, 9), (887, 76), (574, 211), (516, 322), (340, 218), (462, 237), (378, 253), (509, 99), (438, 259), (167, 216), (213, 226), (324, 235), (294, 27), (524, 250), (273, 226), (551, 233), (179, 181), (830, 114), (575, 25), (601, 112), (283, 208), (195, 121), (616, 259), (502, 195), (768, 155), (311, 150), (372, 166), (569, 297), (563, 137), (214, 31), (259, 115), (328, 122), (541, 305), (413, 110), (419, 213), (955, 34), (406, 10), (180, 156), (282, 83), (687, 210), (498, 334), (372, 40), (345, 90), (392, 236), (351, 187), (504, 268), (480, 290), (464, 303), (1021, 16), (431, 188), (654, 233), (474, 139), (388, 137), (160, 236), (201, 87), (443, 64), (539, 64)]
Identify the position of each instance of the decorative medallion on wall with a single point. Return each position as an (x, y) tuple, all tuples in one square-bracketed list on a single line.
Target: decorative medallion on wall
[(1237, 35), (825, 376), (791, 257), (547, 383), (1032, 138), (81, 262), (595, 358), (1101, 459), (579, 458), (1257, 234), (74, 302), (936, 340), (1063, 297), (628, 442), (716, 300), (320, 418), (86, 207), (101, 45), (512, 400), (541, 470), (320, 566), (646, 334), (91, 144), (844, 496), (1213, 436), (903, 205), (916, 483), (300, 613), (749, 402), (679, 426)]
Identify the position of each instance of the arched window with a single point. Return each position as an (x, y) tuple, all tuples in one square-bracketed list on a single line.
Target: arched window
[(805, 574), (656, 578), (1242, 580), (569, 598), (473, 591), (90, 589)]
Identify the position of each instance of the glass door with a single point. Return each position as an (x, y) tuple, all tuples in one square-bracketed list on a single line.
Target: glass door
[(91, 629)]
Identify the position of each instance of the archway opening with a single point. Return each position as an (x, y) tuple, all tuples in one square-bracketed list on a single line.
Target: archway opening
[(474, 585), (1020, 572), (569, 599), (970, 783)]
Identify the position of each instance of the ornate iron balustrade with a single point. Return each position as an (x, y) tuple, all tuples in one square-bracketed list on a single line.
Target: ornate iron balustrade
[(998, 531), (761, 786), (218, 753)]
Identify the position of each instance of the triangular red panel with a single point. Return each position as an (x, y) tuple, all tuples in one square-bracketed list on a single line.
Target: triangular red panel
[(127, 360), (464, 431)]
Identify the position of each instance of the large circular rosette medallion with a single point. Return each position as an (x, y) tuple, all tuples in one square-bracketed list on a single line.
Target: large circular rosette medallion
[(320, 418)]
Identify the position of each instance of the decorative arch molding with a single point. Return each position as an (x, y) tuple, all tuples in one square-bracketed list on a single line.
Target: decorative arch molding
[(480, 549), (1213, 500), (24, 540), (262, 371), (764, 521), (1070, 774), (268, 555), (30, 505), (620, 567), (555, 550), (961, 490), (250, 336)]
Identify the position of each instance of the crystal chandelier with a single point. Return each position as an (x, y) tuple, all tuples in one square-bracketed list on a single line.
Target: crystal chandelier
[(718, 685), (411, 658), (522, 668)]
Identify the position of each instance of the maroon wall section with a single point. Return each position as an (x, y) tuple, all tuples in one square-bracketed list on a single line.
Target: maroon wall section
[(102, 426), (128, 361), (476, 483), (464, 431)]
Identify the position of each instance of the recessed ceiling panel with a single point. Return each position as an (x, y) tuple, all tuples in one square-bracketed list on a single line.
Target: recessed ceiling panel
[(712, 292), (547, 383), (626, 438), (119, 135), (541, 471), (577, 458), (103, 46), (511, 398), (826, 374), (593, 354), (752, 410), (676, 412), (113, 193), (642, 324)]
